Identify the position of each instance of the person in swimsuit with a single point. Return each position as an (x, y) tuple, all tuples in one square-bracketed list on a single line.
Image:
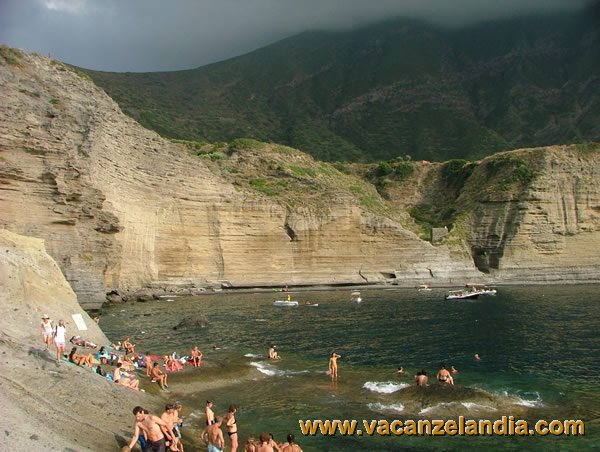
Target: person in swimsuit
[(46, 327), (333, 368), (120, 377), (291, 445), (148, 361), (128, 346), (421, 379), (196, 356), (444, 376), (59, 334), (213, 436), (210, 414), (81, 342), (453, 370), (80, 359), (174, 444), (266, 443), (477, 357), (232, 430), (272, 352), (153, 428), (159, 376)]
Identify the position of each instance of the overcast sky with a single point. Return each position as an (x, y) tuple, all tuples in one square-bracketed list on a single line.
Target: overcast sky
[(159, 35)]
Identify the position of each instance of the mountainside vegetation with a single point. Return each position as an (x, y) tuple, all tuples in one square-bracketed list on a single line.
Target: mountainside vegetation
[(393, 89)]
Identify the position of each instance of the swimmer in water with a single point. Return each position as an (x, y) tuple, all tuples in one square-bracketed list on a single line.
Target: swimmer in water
[(444, 376)]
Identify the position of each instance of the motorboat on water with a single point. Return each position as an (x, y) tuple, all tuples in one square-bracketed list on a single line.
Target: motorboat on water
[(462, 294), (355, 297), (470, 291), (311, 305), (424, 288), (285, 303), (482, 289)]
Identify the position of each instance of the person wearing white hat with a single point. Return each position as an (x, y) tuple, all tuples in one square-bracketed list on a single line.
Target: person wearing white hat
[(46, 328)]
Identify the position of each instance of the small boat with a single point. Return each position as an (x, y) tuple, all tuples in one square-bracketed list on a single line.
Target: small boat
[(284, 303), (482, 289), (355, 297), (311, 305), (424, 288), (462, 294)]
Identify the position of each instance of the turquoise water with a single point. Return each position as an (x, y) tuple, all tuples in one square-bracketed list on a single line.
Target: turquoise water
[(540, 354)]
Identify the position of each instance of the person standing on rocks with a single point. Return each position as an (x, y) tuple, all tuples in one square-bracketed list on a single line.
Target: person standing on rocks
[(213, 436), (333, 366), (46, 328), (154, 428), (60, 332), (196, 356)]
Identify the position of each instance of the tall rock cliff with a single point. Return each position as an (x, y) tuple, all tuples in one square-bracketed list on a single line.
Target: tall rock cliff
[(122, 209)]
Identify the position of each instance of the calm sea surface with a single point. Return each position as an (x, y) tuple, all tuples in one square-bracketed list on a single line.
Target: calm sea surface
[(540, 352)]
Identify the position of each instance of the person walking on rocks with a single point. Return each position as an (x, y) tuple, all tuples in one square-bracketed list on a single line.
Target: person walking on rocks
[(60, 334), (153, 428), (46, 328), (213, 436)]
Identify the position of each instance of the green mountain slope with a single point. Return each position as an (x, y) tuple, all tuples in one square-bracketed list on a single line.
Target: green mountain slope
[(397, 88)]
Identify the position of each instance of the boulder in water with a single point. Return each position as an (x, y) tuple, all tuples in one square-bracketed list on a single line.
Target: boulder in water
[(194, 321)]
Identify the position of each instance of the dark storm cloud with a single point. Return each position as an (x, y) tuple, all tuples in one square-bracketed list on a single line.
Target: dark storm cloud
[(153, 35)]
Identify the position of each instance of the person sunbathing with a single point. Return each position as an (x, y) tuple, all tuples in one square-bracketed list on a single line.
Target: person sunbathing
[(81, 342), (102, 355), (124, 379), (172, 365), (80, 359)]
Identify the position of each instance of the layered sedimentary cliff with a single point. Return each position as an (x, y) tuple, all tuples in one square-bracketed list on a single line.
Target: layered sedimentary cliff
[(548, 232), (122, 209)]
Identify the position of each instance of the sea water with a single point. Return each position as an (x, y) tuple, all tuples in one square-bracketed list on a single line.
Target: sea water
[(539, 348)]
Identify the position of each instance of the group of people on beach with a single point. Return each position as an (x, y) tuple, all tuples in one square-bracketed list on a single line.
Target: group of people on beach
[(121, 355), (162, 433), (213, 437)]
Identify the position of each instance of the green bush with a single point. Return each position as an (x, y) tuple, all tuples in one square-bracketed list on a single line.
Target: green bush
[(247, 143), (302, 171), (383, 169), (404, 169), (262, 186), (341, 167)]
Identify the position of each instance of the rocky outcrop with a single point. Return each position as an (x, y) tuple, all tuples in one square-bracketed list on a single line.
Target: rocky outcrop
[(123, 211), (551, 230), (52, 407)]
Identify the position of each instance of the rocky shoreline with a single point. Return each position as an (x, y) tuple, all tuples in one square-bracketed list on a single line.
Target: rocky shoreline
[(46, 406)]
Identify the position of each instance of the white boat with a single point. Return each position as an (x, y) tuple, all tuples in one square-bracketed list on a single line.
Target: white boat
[(424, 288), (284, 303), (482, 289), (462, 294), (470, 291), (355, 297), (311, 305)]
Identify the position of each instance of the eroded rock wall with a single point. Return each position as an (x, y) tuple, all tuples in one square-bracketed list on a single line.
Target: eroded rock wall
[(549, 232), (122, 209)]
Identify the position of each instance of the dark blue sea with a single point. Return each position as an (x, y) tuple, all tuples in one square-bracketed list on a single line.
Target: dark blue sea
[(539, 348)]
